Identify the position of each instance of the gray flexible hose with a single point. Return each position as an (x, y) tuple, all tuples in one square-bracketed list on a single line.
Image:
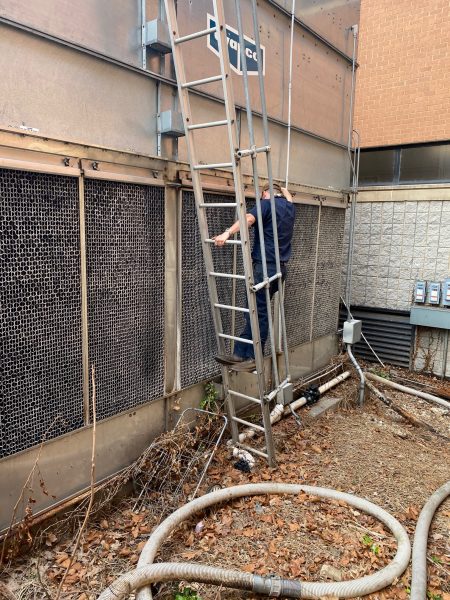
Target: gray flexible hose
[(144, 575), (419, 555)]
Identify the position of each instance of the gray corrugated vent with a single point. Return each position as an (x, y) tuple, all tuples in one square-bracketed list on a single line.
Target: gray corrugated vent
[(300, 280), (388, 332), (40, 308), (197, 331), (300, 277), (125, 263)]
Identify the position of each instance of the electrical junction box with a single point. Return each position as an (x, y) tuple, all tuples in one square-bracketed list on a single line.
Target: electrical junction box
[(157, 36), (420, 292), (352, 331), (434, 292), (286, 395), (446, 293), (171, 124)]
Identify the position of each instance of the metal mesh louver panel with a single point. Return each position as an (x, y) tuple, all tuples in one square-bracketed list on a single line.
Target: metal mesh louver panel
[(328, 278), (40, 308), (197, 329), (125, 262), (300, 278)]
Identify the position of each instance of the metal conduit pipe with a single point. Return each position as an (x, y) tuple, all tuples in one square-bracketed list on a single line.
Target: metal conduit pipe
[(408, 390), (282, 411), (147, 572), (419, 555), (362, 380)]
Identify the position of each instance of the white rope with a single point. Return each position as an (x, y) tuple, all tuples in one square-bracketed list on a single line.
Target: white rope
[(290, 94)]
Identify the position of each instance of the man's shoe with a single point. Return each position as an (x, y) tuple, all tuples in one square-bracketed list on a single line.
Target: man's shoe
[(229, 359)]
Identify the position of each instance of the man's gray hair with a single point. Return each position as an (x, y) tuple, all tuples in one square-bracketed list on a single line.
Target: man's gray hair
[(276, 189)]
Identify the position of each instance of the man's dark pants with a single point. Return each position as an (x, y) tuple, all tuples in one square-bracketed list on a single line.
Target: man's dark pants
[(241, 348)]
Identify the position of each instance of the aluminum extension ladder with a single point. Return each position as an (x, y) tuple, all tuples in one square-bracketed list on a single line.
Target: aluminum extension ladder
[(233, 162)]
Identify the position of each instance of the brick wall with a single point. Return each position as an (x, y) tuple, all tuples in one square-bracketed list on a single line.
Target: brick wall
[(403, 83)]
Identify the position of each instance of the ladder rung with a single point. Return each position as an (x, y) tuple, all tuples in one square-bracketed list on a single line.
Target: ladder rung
[(262, 284), (274, 392), (229, 307), (194, 36), (244, 396), (196, 82), (206, 125), (235, 338), (213, 166), (211, 241), (251, 450), (252, 151), (248, 424), (218, 205), (226, 275)]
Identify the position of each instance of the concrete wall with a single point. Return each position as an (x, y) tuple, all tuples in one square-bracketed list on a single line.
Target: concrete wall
[(400, 235), (403, 84)]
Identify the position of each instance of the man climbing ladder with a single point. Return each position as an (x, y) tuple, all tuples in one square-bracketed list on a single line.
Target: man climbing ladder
[(244, 354)]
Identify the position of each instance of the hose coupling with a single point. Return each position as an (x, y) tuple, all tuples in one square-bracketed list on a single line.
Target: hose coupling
[(267, 586), (274, 587)]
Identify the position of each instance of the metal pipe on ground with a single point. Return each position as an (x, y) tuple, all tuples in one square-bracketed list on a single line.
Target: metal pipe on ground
[(408, 390), (360, 373), (419, 556), (282, 411), (147, 572)]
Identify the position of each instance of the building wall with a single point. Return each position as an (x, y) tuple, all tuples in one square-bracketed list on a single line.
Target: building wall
[(402, 235), (80, 105), (397, 242), (403, 81)]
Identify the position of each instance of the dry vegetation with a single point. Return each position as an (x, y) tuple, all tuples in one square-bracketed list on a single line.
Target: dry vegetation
[(372, 453)]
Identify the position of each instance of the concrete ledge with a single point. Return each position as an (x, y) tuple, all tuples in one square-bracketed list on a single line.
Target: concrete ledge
[(324, 405)]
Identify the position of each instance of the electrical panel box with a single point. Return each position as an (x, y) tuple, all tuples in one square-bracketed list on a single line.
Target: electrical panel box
[(420, 292), (352, 331), (171, 123), (434, 292), (157, 36), (446, 293), (286, 395)]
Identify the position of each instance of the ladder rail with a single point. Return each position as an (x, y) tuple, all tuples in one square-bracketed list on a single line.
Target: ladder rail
[(270, 177), (266, 283), (244, 234), (231, 123)]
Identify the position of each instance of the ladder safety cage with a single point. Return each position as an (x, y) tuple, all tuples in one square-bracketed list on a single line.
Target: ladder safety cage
[(233, 162)]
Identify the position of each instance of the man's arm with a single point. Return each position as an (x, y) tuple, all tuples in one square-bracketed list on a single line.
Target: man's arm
[(223, 237)]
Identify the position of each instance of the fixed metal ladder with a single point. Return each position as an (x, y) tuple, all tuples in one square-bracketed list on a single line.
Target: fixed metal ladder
[(233, 162)]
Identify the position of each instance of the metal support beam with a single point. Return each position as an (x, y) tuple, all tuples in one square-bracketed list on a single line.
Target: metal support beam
[(84, 303)]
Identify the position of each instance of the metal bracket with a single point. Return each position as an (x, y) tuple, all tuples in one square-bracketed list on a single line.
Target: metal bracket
[(252, 151)]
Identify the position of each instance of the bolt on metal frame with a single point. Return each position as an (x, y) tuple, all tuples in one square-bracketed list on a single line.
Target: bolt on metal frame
[(243, 243)]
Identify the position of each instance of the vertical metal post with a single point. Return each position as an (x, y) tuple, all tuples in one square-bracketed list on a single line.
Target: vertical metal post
[(355, 174), (171, 289), (288, 153), (84, 303), (311, 326), (143, 40), (445, 354), (270, 176)]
